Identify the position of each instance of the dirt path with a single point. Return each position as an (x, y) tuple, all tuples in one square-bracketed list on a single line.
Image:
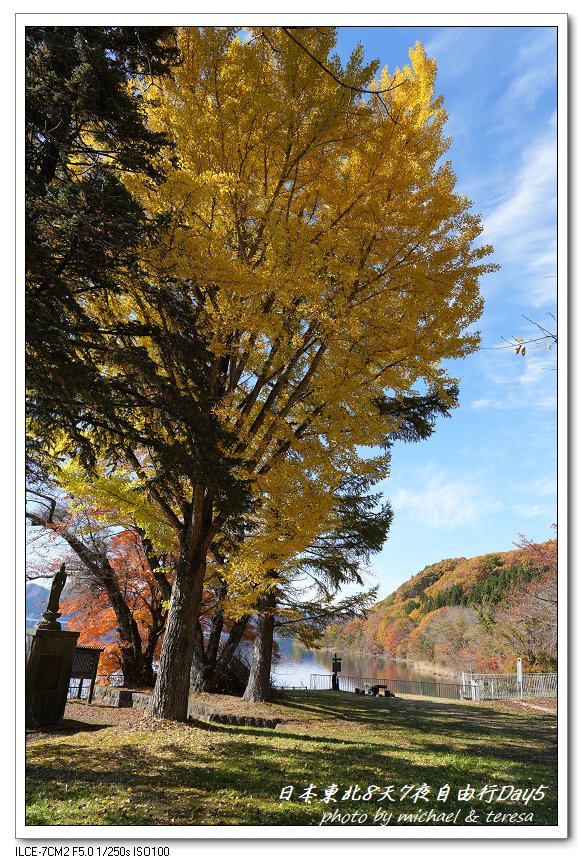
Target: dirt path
[(81, 716), (538, 708), (548, 705)]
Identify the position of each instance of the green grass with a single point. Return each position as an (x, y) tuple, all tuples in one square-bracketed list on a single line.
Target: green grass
[(180, 774)]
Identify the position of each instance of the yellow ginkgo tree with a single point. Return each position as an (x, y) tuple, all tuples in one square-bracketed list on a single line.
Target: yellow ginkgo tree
[(311, 240)]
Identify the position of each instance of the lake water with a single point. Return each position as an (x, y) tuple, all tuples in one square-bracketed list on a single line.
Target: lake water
[(296, 664)]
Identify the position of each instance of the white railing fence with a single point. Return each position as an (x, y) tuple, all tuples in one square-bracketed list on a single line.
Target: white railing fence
[(484, 686)]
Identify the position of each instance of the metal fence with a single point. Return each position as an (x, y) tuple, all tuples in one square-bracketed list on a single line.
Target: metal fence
[(448, 690), (478, 686), (471, 686)]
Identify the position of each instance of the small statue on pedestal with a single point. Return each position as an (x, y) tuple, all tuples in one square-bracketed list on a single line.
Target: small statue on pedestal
[(51, 614)]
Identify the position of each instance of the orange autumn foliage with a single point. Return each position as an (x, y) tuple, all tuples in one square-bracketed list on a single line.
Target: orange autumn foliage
[(90, 612)]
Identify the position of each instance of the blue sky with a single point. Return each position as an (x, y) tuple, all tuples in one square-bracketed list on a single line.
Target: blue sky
[(489, 472)]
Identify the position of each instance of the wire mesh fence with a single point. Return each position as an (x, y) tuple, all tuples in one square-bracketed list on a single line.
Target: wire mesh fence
[(470, 686)]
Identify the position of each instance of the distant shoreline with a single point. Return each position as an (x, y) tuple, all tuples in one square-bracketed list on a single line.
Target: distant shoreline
[(421, 666)]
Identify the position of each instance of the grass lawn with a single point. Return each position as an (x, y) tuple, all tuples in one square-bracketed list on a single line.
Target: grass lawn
[(162, 773)]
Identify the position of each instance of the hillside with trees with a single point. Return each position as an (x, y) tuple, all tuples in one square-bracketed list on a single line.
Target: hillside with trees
[(478, 613)]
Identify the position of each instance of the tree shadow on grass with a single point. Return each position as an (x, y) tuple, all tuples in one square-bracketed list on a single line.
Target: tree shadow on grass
[(451, 719), (236, 776), (172, 784), (539, 756), (344, 702), (67, 727)]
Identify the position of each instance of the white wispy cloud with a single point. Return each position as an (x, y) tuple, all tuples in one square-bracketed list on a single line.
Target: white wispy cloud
[(544, 485), (533, 500), (535, 70), (528, 509), (442, 501), (451, 47), (522, 227), (535, 179), (535, 371), (526, 384), (489, 402)]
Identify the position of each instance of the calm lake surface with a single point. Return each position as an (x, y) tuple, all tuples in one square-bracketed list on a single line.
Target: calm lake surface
[(296, 664)]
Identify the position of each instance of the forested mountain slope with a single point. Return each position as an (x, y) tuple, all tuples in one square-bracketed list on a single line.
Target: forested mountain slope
[(36, 602), (481, 612)]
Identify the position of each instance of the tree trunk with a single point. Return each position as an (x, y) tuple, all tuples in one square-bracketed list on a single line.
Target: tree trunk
[(164, 586), (137, 671), (170, 699), (198, 666), (154, 635), (233, 640), (207, 671), (258, 688)]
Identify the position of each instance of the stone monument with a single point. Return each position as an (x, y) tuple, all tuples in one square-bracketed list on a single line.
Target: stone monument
[(49, 659), (336, 668)]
